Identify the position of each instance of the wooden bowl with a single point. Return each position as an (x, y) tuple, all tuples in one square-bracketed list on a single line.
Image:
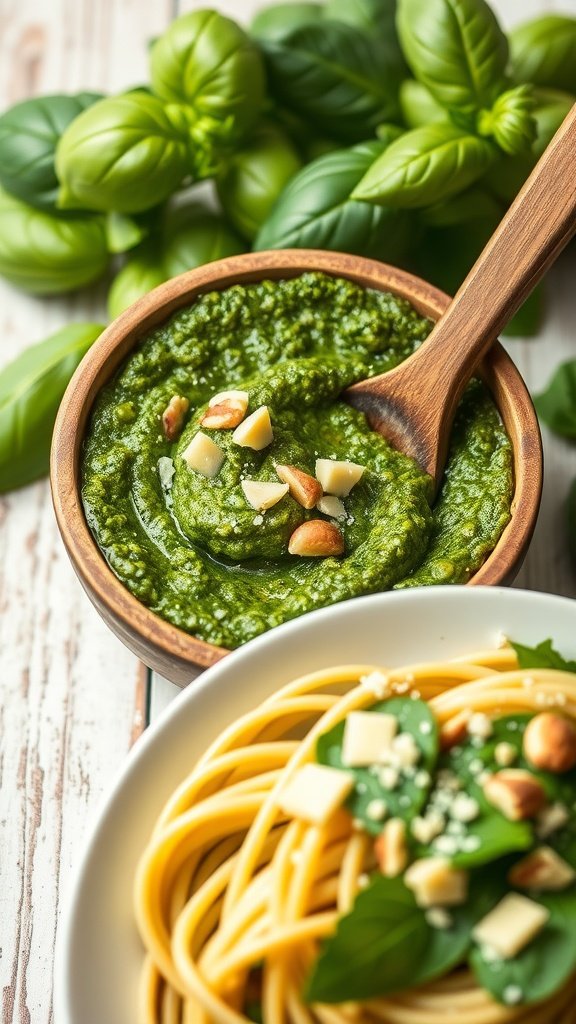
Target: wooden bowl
[(162, 646)]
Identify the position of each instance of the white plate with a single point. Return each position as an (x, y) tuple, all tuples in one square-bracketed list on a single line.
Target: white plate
[(98, 951)]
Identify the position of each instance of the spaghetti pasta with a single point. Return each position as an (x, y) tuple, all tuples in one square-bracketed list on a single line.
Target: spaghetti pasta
[(234, 898)]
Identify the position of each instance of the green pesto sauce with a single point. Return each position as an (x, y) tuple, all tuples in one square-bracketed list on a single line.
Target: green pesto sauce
[(193, 550)]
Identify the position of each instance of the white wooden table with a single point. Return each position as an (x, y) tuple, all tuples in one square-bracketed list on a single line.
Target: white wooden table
[(72, 698)]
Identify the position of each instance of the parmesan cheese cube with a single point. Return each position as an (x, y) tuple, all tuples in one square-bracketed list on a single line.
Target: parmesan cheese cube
[(262, 495), (203, 455), (367, 738), (255, 431), (436, 884), (338, 477), (314, 793), (239, 399), (513, 923)]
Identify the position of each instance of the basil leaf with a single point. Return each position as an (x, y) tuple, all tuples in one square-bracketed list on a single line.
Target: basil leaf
[(556, 406), (31, 389), (137, 277), (455, 48), (279, 20), (255, 176), (425, 166), (369, 15), (418, 105), (315, 210), (542, 656), (543, 51), (124, 153), (187, 237), (410, 795), (336, 77), (385, 943), (550, 107), (541, 968), (376, 18), (375, 948), (510, 121), (29, 133), (123, 232), (46, 254), (206, 61)]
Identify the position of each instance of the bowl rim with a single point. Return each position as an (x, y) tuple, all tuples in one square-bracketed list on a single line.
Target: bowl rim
[(110, 596)]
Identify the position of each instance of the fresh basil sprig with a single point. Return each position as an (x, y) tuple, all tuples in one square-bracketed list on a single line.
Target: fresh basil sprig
[(410, 795), (31, 389), (541, 968), (29, 134), (208, 63), (556, 405), (385, 944), (335, 76), (542, 52), (315, 210), (46, 254), (455, 48), (425, 166)]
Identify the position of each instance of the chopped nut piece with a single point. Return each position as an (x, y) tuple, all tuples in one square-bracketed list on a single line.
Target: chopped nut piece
[(455, 730), (338, 477), (331, 506), (239, 399), (505, 754), (436, 884), (515, 793), (542, 869), (316, 539), (255, 431), (203, 455), (262, 495), (173, 417), (222, 417), (391, 849), (551, 819), (513, 923), (303, 487), (550, 742), (315, 792)]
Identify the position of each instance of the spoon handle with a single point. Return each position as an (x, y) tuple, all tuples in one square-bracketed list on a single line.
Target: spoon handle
[(538, 225), (540, 222)]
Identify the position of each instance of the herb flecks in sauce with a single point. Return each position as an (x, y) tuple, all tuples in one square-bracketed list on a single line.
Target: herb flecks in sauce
[(203, 559)]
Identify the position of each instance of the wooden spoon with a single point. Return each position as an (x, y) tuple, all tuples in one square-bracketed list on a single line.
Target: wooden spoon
[(413, 405)]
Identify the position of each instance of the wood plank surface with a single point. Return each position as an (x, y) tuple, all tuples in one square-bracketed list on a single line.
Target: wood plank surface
[(71, 697)]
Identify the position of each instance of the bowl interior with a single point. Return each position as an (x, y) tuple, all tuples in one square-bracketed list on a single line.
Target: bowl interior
[(159, 644), (98, 950)]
